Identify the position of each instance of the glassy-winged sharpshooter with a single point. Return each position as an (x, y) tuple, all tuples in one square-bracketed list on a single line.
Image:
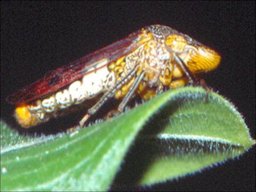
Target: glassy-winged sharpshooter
[(145, 63)]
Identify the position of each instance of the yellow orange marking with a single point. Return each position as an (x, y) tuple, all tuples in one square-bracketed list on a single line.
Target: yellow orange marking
[(24, 116), (204, 60), (176, 42)]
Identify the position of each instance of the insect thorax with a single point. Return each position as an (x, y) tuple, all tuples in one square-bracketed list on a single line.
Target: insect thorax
[(152, 58)]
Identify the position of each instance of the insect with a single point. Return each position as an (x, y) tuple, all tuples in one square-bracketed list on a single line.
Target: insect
[(145, 63)]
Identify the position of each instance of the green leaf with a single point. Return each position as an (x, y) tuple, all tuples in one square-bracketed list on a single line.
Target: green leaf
[(200, 131), (195, 130), (12, 140), (87, 159), (183, 132)]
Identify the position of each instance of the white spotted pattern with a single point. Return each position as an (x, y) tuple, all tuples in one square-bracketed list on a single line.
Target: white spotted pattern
[(89, 86)]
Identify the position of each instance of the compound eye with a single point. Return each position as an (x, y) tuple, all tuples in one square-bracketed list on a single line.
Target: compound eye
[(176, 42)]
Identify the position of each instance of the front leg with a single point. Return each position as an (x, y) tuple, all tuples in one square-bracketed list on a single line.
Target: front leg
[(192, 80), (130, 93)]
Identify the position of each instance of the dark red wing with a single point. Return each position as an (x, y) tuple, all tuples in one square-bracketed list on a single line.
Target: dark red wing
[(63, 76)]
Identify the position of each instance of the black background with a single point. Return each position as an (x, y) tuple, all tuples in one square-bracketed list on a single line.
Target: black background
[(37, 37)]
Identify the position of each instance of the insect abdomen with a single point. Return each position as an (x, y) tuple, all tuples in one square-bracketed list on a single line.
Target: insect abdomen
[(76, 93)]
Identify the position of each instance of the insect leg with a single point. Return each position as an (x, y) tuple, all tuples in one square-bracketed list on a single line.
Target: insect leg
[(130, 93), (191, 78), (107, 95)]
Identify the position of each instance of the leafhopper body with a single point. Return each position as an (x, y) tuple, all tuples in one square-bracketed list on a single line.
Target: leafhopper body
[(147, 62)]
